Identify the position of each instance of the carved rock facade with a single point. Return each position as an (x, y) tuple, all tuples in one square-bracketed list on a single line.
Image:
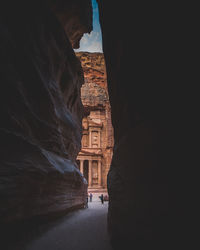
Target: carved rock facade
[(97, 141)]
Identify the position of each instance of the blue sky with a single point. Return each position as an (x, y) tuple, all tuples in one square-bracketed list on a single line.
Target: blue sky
[(92, 42)]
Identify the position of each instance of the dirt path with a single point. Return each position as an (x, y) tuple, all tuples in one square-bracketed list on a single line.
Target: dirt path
[(81, 230)]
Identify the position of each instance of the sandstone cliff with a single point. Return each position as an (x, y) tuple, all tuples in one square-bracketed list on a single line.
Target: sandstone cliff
[(41, 109), (94, 91), (93, 65)]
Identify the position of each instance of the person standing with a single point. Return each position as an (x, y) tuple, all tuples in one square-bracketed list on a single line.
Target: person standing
[(101, 198), (91, 195)]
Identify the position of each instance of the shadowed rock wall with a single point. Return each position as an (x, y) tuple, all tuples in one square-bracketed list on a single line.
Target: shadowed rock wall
[(144, 71), (41, 109)]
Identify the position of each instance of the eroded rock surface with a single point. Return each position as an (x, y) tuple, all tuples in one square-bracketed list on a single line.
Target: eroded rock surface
[(41, 111), (94, 92)]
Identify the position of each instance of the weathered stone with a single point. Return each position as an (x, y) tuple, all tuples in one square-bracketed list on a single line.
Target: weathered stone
[(41, 112), (94, 68)]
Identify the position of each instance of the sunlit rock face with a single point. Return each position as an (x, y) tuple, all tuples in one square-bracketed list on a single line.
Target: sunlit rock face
[(94, 68), (94, 91), (41, 113)]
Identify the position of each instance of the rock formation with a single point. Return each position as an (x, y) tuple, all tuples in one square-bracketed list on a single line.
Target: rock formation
[(140, 44), (93, 65), (41, 109)]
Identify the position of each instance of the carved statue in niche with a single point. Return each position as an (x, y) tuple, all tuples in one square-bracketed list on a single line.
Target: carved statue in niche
[(95, 139), (85, 141), (85, 123)]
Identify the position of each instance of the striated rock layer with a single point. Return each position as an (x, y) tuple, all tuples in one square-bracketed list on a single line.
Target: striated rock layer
[(41, 109)]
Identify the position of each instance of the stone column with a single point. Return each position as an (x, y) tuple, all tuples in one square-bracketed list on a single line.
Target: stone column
[(81, 166), (90, 139), (99, 138), (90, 174), (99, 173)]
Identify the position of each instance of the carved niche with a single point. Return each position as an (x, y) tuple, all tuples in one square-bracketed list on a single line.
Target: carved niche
[(85, 141), (85, 123), (95, 139)]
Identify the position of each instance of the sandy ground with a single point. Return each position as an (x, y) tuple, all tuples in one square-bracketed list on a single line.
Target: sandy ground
[(84, 229)]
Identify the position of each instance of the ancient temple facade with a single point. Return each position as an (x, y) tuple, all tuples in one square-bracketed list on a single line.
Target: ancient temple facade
[(97, 141)]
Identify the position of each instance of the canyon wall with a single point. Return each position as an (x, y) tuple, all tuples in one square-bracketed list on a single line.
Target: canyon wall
[(140, 44), (41, 109)]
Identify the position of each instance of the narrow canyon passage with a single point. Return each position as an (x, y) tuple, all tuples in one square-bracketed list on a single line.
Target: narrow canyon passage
[(84, 229)]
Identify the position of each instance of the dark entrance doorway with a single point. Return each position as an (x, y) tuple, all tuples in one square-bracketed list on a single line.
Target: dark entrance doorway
[(85, 169)]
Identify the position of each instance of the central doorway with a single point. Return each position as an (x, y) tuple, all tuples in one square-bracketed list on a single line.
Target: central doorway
[(85, 169)]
